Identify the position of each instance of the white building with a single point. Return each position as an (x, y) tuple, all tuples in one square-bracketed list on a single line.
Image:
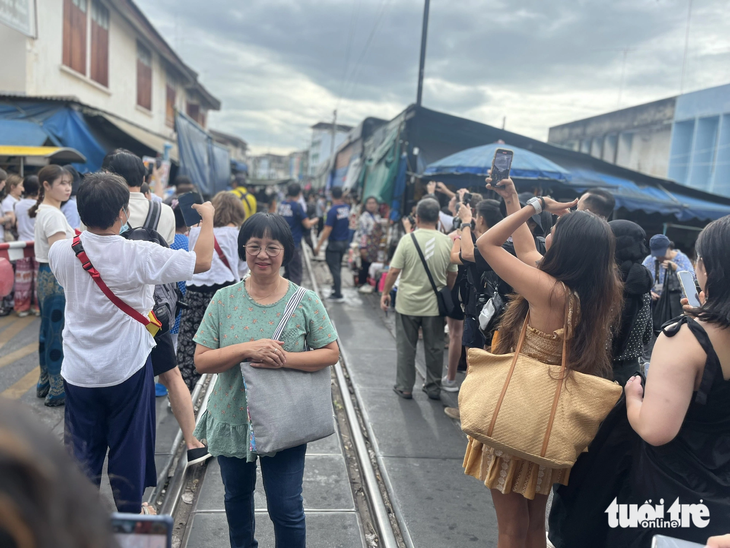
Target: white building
[(320, 150), (106, 55)]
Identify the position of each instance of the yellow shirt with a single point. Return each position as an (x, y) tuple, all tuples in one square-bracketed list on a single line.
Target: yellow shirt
[(247, 199)]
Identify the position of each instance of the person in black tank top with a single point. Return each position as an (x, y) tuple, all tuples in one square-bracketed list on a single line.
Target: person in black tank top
[(667, 444)]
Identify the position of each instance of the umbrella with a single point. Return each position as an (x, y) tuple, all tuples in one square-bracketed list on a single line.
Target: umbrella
[(475, 162)]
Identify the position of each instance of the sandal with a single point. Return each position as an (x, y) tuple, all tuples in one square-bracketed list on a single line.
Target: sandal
[(148, 510), (403, 394)]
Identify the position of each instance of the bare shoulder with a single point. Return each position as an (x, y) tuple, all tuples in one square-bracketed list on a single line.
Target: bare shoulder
[(679, 352)]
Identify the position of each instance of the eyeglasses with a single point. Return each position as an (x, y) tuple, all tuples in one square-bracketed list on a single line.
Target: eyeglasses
[(271, 250)]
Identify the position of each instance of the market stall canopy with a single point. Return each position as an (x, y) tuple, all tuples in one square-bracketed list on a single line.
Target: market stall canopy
[(463, 167), (42, 155)]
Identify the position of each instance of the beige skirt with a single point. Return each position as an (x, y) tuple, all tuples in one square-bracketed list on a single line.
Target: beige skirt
[(509, 474)]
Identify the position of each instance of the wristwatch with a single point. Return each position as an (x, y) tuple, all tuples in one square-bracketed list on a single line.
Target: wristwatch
[(536, 203)]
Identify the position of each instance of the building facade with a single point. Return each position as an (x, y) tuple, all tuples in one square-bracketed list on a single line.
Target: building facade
[(106, 55), (320, 149), (636, 138), (684, 138), (270, 167)]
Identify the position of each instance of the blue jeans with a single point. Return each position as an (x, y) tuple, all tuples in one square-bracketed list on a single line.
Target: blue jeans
[(282, 474)]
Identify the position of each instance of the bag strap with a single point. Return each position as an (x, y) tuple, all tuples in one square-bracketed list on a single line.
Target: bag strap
[(222, 256), (291, 307), (425, 264), (558, 390), (153, 216), (78, 248)]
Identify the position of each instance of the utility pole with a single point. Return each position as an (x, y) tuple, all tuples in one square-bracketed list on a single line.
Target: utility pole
[(422, 64)]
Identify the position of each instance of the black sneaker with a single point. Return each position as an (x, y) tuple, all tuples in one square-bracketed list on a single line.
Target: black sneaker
[(198, 455), (336, 298), (435, 395)]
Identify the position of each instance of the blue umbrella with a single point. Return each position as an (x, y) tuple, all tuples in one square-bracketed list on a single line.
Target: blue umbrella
[(478, 160)]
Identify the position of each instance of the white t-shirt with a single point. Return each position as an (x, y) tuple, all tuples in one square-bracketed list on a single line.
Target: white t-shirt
[(227, 237), (103, 346), (49, 221), (6, 206), (26, 225), (138, 208)]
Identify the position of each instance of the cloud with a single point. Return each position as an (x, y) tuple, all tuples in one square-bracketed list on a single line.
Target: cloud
[(280, 66)]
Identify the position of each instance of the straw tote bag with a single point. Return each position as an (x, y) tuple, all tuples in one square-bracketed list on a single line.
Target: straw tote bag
[(533, 410)]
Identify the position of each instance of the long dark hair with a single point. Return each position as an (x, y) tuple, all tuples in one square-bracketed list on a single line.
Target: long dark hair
[(582, 257), (712, 249), (48, 174), (45, 499)]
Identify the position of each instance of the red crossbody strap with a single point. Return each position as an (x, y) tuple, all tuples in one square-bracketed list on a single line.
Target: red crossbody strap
[(221, 255), (86, 264)]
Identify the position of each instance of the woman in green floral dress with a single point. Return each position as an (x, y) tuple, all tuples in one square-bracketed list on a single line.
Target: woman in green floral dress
[(238, 326)]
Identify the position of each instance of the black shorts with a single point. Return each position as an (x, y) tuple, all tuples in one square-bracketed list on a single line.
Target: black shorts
[(163, 355)]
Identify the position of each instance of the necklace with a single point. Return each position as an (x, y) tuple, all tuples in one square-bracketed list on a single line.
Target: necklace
[(262, 297)]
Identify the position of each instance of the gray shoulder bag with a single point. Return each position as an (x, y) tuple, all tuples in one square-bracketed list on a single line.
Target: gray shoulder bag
[(287, 407)]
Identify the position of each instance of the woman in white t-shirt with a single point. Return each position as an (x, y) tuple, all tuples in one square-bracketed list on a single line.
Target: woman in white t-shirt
[(14, 188), (51, 226), (229, 216), (26, 269)]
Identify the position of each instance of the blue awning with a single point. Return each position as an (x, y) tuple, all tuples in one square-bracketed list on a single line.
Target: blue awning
[(478, 161), (22, 133), (649, 199), (694, 208)]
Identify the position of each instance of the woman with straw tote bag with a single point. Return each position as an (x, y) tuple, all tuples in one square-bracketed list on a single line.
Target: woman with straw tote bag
[(552, 349)]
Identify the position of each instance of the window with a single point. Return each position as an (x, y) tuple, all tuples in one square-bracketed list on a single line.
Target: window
[(193, 110), (170, 106), (100, 43), (74, 34), (144, 77)]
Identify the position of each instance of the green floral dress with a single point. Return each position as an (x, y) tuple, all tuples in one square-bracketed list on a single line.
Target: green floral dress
[(233, 317)]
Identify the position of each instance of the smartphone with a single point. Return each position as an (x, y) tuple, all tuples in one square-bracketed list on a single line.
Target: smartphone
[(186, 202), (142, 531), (501, 165), (660, 541), (689, 288)]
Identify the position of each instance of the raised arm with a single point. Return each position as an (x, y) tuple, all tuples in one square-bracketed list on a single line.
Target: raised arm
[(527, 280), (522, 238)]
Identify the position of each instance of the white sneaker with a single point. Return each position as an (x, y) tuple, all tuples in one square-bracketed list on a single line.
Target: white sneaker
[(449, 386), (366, 289)]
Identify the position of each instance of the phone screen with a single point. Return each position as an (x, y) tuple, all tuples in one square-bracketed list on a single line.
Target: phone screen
[(689, 288), (501, 164), (142, 531), (186, 202), (660, 541)]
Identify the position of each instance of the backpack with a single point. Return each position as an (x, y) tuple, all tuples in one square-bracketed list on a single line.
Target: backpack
[(168, 297)]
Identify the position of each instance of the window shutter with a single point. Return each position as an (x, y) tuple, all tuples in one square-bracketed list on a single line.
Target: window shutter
[(144, 77), (170, 106), (100, 43), (74, 34)]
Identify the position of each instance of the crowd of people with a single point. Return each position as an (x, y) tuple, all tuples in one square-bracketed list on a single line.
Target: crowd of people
[(127, 293)]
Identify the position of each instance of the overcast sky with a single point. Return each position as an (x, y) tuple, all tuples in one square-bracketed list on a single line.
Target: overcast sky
[(279, 66)]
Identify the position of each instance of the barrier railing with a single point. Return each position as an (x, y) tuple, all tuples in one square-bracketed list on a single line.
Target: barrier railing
[(13, 251)]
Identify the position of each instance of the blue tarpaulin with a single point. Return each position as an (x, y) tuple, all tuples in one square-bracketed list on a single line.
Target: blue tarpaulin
[(220, 167), (207, 164), (25, 122), (478, 161)]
